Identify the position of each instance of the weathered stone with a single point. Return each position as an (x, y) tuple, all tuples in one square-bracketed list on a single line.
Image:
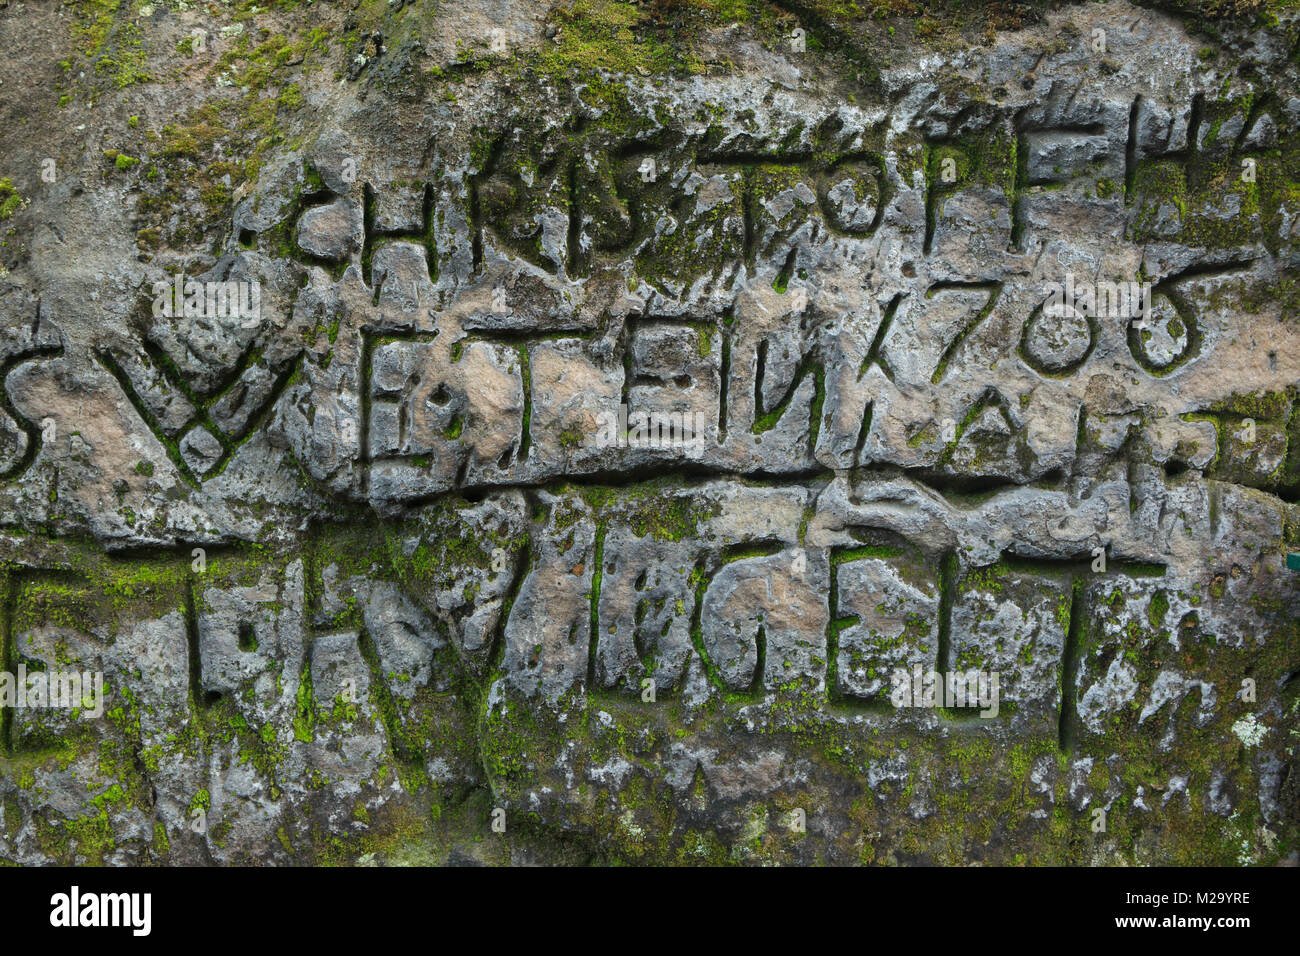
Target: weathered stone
[(649, 453)]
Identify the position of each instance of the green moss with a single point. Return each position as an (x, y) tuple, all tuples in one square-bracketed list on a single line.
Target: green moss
[(304, 720), (89, 837), (704, 341), (653, 508), (105, 32), (10, 199), (1158, 608), (1260, 406), (607, 35)]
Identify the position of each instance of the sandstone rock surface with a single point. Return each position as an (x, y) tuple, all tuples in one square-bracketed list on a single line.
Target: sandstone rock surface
[(629, 392)]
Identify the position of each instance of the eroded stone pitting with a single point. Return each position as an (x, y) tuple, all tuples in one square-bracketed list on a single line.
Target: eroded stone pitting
[(425, 587)]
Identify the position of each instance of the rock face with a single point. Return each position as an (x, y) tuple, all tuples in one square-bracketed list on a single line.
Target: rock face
[(516, 433)]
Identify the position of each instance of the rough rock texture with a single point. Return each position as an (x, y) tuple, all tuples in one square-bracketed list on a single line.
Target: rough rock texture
[(369, 580)]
